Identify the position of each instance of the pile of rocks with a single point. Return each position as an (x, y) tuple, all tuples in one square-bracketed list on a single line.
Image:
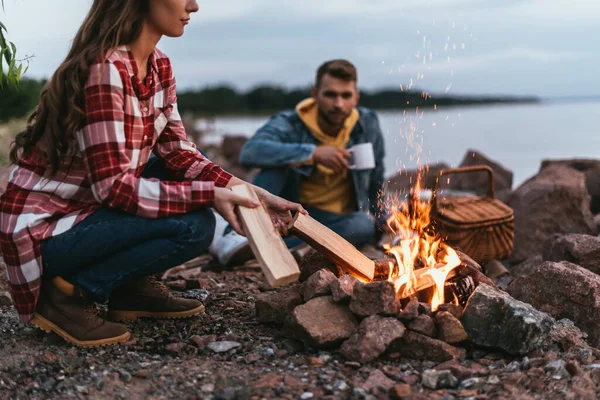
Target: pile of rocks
[(365, 321)]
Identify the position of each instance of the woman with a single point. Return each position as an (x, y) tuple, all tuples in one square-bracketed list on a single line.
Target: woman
[(88, 216)]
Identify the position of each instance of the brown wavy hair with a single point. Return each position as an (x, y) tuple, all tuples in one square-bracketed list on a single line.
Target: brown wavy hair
[(61, 108)]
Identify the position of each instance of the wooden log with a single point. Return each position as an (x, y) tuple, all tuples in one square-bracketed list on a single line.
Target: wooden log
[(276, 261), (332, 245)]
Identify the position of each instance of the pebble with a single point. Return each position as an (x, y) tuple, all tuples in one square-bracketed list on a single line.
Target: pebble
[(557, 369), (81, 389), (340, 385), (493, 380), (306, 395), (222, 347), (470, 383), (443, 379)]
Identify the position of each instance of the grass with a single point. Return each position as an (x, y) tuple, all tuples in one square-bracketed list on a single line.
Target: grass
[(7, 132)]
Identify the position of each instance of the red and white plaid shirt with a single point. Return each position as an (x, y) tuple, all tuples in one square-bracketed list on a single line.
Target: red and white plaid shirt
[(126, 119)]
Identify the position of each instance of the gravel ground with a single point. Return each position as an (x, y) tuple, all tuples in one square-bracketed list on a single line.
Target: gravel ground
[(226, 354)]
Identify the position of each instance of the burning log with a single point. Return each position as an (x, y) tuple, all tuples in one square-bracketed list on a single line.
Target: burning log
[(332, 245)]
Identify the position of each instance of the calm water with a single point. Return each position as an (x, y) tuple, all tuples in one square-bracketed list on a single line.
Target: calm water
[(517, 136)]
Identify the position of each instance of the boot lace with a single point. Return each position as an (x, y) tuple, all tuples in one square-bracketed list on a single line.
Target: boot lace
[(157, 283), (91, 311)]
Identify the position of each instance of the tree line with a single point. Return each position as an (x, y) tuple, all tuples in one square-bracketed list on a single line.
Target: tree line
[(19, 101)]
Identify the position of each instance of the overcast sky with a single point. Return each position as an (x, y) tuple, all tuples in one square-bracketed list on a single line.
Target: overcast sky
[(539, 47)]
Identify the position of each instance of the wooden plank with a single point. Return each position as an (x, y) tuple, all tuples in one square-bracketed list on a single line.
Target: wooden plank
[(276, 261), (424, 281), (332, 246)]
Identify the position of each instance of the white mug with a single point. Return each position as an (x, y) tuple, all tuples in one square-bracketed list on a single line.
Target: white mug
[(362, 156)]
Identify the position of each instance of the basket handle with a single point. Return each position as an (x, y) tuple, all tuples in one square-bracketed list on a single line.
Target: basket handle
[(475, 168)]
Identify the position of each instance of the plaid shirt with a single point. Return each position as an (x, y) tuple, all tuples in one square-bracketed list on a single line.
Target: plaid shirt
[(126, 119)]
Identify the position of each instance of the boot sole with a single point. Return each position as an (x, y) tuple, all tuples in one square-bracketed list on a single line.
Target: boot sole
[(119, 315), (47, 326)]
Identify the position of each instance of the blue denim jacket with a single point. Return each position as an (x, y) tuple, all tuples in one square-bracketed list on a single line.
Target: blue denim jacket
[(285, 140)]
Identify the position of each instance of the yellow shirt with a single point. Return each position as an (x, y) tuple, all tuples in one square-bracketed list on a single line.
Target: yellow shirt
[(324, 189)]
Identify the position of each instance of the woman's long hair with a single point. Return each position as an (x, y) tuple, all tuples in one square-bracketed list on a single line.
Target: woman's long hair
[(61, 109)]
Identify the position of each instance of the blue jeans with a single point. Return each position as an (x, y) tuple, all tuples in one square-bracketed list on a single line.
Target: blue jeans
[(111, 247), (357, 228)]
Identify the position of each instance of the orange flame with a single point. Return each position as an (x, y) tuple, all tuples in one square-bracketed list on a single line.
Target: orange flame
[(418, 246)]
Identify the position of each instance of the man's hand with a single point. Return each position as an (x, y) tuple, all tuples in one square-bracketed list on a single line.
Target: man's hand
[(225, 202), (278, 208), (332, 157)]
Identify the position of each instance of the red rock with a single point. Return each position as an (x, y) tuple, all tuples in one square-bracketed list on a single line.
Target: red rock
[(276, 306), (453, 309), (374, 298), (175, 348), (343, 288), (378, 380), (463, 372), (423, 324), (202, 341), (252, 358), (316, 361), (477, 182), (292, 383), (420, 347), (564, 290), (583, 250), (410, 311), (410, 380), (268, 381), (449, 328), (554, 201), (318, 284), (321, 322), (314, 261), (142, 373), (373, 337)]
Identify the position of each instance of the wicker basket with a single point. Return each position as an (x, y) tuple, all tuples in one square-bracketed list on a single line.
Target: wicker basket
[(482, 227)]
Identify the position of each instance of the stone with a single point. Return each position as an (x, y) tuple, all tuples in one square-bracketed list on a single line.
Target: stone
[(463, 372), (411, 311), (175, 348), (202, 341), (478, 182), (449, 328), (453, 309), (571, 340), (420, 347), (400, 391), (223, 347), (435, 380), (425, 309), (318, 284), (276, 306), (314, 261), (495, 270), (494, 319), (583, 250), (554, 201), (563, 290), (374, 298), (267, 381), (402, 181), (423, 324), (373, 337), (321, 322), (5, 299), (557, 369), (343, 288), (377, 379)]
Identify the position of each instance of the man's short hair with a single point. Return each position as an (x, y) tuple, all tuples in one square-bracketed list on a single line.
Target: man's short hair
[(341, 69)]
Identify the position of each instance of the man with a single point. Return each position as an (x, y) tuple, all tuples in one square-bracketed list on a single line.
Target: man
[(304, 158)]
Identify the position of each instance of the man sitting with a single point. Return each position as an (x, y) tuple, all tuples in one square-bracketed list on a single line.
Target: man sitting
[(304, 158)]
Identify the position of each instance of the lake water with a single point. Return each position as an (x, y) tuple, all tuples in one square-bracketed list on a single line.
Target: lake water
[(517, 136)]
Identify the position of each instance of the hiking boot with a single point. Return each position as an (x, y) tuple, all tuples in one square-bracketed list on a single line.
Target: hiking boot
[(149, 297), (75, 318)]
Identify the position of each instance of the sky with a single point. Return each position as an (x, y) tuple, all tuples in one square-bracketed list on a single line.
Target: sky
[(546, 48)]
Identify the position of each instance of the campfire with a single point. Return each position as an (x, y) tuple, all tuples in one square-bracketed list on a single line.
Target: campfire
[(421, 257)]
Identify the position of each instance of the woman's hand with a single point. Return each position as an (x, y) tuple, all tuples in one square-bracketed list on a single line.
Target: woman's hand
[(278, 208), (225, 202)]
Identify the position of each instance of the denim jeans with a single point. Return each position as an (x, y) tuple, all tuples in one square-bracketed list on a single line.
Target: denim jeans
[(111, 247), (357, 228)]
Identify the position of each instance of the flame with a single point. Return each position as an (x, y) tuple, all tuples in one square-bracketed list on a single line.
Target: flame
[(417, 246)]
